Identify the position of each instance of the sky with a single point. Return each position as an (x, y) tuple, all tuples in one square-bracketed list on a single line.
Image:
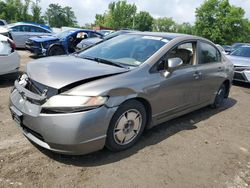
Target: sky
[(179, 10)]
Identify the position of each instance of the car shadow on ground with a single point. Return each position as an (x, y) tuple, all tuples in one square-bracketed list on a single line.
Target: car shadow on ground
[(8, 79), (150, 137)]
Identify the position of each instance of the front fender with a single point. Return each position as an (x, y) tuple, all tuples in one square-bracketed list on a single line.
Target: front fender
[(120, 95)]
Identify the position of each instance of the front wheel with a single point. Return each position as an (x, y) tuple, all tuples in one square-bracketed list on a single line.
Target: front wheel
[(220, 96), (126, 126), (56, 50)]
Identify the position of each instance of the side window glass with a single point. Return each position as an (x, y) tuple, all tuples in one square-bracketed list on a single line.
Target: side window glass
[(26, 28), (16, 29), (33, 29), (185, 51), (208, 54)]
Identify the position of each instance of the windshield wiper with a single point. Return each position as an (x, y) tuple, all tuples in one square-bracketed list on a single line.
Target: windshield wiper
[(104, 61)]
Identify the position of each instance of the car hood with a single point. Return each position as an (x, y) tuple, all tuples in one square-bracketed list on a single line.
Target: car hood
[(44, 38), (239, 61), (3, 29), (61, 71)]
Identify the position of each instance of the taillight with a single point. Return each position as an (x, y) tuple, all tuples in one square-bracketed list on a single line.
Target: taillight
[(12, 45)]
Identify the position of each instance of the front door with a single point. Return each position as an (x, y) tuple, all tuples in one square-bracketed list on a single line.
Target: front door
[(179, 90)]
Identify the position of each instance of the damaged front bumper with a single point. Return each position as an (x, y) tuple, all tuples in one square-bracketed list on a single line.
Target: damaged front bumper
[(67, 133)]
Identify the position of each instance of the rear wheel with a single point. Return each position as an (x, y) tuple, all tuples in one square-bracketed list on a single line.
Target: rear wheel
[(126, 126), (220, 96), (56, 50)]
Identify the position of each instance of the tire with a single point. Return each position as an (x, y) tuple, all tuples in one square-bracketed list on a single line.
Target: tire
[(220, 96), (56, 50), (126, 126)]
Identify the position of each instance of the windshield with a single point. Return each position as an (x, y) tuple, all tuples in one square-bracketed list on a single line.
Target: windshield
[(64, 34), (130, 50), (242, 51)]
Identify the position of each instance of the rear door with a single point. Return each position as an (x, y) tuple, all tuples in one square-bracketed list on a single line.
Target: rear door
[(211, 69)]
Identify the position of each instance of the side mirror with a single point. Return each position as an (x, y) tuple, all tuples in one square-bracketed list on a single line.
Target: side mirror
[(174, 63)]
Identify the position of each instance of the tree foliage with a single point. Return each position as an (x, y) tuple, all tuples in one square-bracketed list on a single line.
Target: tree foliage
[(120, 15), (164, 25), (221, 22), (58, 16), (30, 11), (143, 21)]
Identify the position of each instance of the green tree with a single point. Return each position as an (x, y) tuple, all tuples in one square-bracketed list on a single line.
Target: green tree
[(37, 12), (2, 10), (221, 22), (185, 28), (143, 21), (120, 15), (70, 17), (58, 16), (164, 25)]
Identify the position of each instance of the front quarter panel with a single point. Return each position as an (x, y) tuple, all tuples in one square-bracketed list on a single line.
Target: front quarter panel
[(120, 88)]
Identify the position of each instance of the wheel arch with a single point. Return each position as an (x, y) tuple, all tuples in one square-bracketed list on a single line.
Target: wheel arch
[(53, 45), (227, 85), (147, 107)]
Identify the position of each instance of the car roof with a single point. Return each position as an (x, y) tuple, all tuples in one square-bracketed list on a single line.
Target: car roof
[(29, 24), (166, 35), (246, 46), (83, 30)]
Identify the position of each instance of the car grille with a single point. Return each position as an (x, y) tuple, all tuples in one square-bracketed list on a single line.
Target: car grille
[(241, 68), (34, 133), (239, 76), (38, 88)]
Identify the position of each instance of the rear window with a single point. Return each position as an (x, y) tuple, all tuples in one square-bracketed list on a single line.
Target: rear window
[(242, 51), (5, 48), (208, 54)]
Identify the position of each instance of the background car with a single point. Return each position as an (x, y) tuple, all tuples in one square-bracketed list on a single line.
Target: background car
[(235, 46), (9, 58), (90, 42), (2, 22), (241, 60), (227, 48), (22, 31), (62, 43), (4, 31), (105, 32), (221, 49), (108, 94)]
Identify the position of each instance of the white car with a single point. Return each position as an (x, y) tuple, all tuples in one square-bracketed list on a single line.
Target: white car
[(9, 58)]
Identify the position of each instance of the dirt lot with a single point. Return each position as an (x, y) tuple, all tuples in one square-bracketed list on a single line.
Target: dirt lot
[(207, 148)]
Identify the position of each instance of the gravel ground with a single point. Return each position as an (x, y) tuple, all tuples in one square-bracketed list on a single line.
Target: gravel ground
[(206, 148)]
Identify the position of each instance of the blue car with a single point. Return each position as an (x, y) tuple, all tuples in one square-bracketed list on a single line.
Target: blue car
[(59, 44)]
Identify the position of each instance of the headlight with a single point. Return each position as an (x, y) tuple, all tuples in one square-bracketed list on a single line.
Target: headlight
[(73, 103)]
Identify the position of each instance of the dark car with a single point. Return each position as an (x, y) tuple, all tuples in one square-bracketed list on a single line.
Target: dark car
[(3, 22), (227, 48), (90, 42), (61, 43), (235, 46)]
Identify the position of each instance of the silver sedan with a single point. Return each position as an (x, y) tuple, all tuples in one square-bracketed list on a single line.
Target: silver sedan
[(21, 32), (241, 60), (110, 93), (9, 58)]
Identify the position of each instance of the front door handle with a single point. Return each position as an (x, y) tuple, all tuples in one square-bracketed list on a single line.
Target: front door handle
[(197, 75), (220, 69)]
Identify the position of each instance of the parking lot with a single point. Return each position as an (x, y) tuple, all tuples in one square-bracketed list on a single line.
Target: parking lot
[(206, 148)]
